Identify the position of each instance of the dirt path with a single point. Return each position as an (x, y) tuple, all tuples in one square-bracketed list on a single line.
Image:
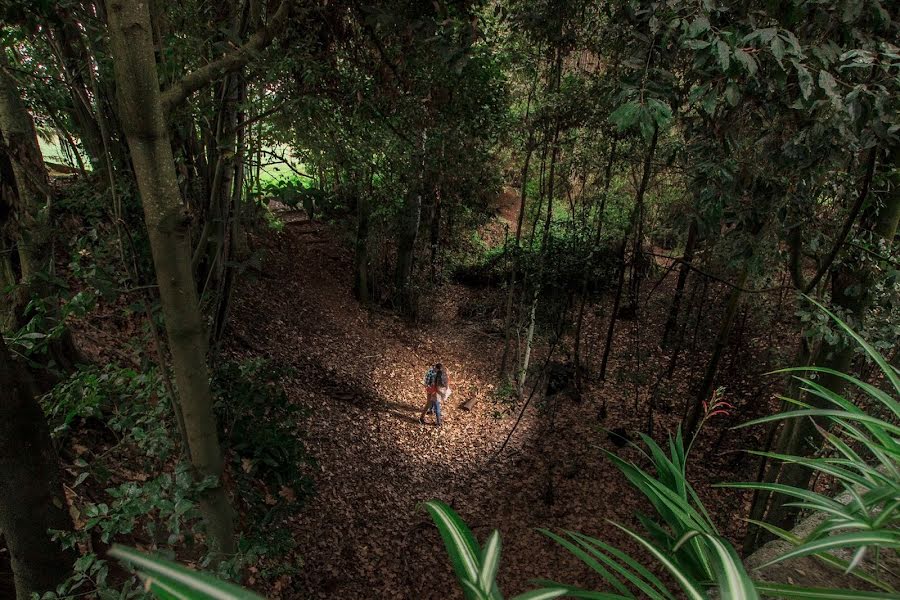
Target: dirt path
[(358, 373)]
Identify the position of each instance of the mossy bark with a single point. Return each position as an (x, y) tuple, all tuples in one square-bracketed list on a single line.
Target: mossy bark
[(168, 229)]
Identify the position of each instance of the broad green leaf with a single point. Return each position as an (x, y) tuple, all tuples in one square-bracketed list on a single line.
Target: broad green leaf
[(626, 115), (746, 61), (828, 84), (698, 26), (174, 578), (804, 79), (490, 561), (723, 51), (459, 541), (732, 94)]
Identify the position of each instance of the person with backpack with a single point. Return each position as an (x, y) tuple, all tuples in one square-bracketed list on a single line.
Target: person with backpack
[(437, 389)]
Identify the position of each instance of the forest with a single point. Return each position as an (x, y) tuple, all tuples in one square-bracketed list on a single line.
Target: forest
[(449, 299)]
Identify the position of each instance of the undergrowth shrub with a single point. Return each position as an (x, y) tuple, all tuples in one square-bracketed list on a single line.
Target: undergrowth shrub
[(134, 486)]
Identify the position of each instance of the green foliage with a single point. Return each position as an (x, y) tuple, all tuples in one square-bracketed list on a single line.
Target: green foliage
[(131, 404), (260, 430), (258, 423), (862, 459), (169, 581), (262, 433), (682, 537)]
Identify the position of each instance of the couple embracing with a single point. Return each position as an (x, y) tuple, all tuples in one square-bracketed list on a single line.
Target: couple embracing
[(437, 388)]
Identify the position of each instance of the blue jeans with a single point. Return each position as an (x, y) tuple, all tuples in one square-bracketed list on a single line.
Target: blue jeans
[(436, 407)]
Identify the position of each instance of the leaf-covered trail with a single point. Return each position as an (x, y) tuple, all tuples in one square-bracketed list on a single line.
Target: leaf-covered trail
[(361, 535)]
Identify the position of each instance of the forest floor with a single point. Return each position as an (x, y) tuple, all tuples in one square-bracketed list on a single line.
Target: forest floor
[(362, 533)]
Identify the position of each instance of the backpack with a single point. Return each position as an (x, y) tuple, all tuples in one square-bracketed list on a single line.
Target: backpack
[(440, 378)]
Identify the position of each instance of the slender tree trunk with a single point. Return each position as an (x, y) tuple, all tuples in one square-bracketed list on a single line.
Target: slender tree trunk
[(361, 256), (32, 210), (585, 275), (848, 276), (613, 315), (545, 247), (74, 61), (409, 233), (435, 232), (679, 341), (706, 386), (168, 228), (32, 501), (638, 268), (511, 284), (406, 249), (683, 272)]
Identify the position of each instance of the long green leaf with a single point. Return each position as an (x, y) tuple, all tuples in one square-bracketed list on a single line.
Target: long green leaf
[(792, 592), (890, 539), (889, 372), (175, 577), (692, 590), (787, 490), (828, 559), (576, 592), (732, 578), (490, 561), (542, 594), (869, 389), (822, 412), (638, 576), (459, 541), (589, 561)]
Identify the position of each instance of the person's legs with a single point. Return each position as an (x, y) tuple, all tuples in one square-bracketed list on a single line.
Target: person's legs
[(429, 406), (437, 408)]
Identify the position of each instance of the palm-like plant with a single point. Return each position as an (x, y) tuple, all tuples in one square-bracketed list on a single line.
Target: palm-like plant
[(683, 538), (862, 458)]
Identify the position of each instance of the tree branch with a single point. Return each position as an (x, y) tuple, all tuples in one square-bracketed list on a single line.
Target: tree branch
[(234, 60), (848, 224)]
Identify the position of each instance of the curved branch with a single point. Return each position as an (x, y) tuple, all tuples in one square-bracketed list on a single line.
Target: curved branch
[(234, 60), (848, 224)]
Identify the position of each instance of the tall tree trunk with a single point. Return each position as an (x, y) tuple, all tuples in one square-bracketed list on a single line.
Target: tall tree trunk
[(32, 501), (74, 62), (361, 256), (32, 184), (585, 274), (169, 233), (406, 249), (545, 246), (683, 272), (796, 434), (31, 216), (614, 313), (409, 233), (638, 268), (511, 284), (435, 232)]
